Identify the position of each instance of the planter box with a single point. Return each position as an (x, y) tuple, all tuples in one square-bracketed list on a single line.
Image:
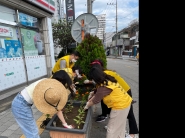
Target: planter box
[(59, 132)]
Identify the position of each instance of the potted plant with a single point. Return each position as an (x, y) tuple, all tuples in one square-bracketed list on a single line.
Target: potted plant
[(82, 118)]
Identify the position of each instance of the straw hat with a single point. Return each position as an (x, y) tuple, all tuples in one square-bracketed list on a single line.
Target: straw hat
[(47, 94)]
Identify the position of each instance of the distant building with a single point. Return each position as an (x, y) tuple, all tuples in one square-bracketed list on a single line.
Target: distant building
[(127, 40), (101, 28)]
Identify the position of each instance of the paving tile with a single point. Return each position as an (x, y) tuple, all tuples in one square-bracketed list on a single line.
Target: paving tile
[(37, 117), (9, 123), (10, 115), (18, 131), (3, 128), (3, 113), (14, 135), (13, 127), (5, 119), (7, 133), (1, 123), (34, 111)]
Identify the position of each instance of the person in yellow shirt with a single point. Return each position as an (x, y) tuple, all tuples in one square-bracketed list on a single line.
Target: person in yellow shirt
[(67, 61), (115, 98), (133, 129)]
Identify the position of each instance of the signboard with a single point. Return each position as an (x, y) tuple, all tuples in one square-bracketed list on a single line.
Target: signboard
[(70, 11), (48, 5), (27, 20), (6, 31)]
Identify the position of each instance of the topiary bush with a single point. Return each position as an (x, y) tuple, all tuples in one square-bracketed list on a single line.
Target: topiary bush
[(90, 48)]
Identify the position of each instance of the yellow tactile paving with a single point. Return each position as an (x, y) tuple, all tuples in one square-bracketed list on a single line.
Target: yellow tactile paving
[(39, 122)]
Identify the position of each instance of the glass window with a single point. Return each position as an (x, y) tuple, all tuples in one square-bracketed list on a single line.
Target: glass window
[(7, 14)]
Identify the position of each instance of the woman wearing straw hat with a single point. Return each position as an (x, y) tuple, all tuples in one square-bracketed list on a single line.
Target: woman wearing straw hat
[(48, 95)]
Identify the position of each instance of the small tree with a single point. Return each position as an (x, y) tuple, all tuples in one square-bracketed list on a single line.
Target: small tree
[(62, 34), (90, 48)]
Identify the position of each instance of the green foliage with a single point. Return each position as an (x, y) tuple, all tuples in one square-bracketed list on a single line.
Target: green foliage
[(62, 34), (90, 48), (47, 115), (80, 116), (61, 54), (68, 109)]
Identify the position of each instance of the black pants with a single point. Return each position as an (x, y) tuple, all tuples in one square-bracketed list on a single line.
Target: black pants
[(133, 129)]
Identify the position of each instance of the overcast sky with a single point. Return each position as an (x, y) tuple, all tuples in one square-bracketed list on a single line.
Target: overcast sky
[(127, 10)]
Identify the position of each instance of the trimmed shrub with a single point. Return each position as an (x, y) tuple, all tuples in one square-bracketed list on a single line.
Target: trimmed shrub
[(90, 48)]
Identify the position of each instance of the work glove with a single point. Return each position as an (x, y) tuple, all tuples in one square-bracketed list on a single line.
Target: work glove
[(93, 82), (74, 90), (86, 81), (86, 107), (77, 73), (76, 82), (90, 95)]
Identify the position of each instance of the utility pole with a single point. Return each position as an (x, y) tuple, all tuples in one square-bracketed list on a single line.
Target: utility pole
[(116, 28), (89, 6), (116, 25)]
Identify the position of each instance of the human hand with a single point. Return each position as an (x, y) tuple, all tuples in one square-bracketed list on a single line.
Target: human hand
[(76, 82), (90, 95), (74, 90), (86, 107), (93, 82), (86, 81), (79, 76)]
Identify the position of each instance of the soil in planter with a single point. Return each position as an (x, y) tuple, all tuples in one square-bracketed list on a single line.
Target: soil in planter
[(71, 115)]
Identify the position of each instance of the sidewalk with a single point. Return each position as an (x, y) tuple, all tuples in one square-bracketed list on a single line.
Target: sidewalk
[(123, 57)]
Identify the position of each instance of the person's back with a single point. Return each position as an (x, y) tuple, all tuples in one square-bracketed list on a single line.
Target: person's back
[(67, 61)]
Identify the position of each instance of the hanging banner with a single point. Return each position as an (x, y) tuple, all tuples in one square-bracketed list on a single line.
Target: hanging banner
[(6, 31), (70, 11)]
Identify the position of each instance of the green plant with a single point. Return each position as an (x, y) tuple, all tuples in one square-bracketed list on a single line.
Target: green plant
[(47, 115), (68, 109), (62, 35), (79, 118), (90, 48)]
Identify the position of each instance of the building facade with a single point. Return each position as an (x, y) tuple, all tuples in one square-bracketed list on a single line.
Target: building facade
[(26, 42), (127, 40), (101, 28)]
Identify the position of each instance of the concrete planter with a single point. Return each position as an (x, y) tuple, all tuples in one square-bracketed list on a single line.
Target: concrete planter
[(59, 132)]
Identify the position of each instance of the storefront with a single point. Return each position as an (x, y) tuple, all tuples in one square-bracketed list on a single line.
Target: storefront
[(26, 44)]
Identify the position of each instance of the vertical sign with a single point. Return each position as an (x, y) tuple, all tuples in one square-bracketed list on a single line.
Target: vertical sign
[(70, 11)]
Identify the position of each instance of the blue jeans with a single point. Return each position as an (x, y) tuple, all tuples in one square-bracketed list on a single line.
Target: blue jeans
[(23, 115)]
